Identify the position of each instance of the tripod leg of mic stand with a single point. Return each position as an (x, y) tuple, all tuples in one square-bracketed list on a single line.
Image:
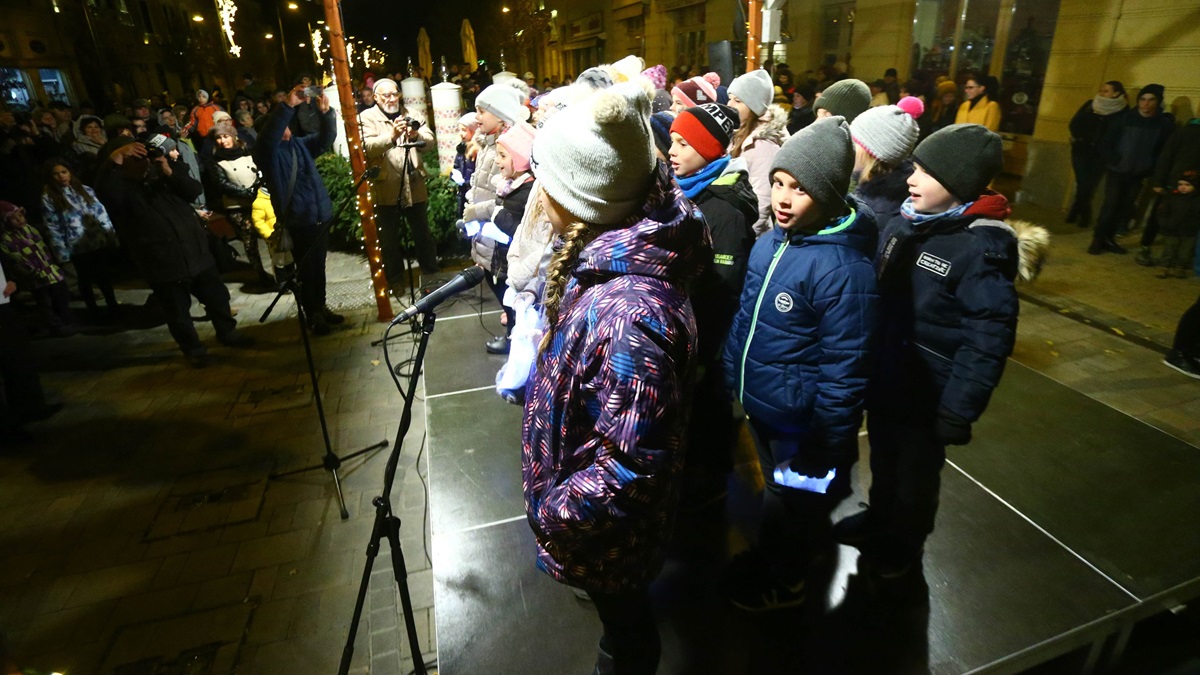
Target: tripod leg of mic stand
[(400, 572), (377, 533)]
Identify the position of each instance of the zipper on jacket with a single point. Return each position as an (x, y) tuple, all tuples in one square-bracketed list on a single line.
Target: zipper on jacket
[(754, 319), (931, 351)]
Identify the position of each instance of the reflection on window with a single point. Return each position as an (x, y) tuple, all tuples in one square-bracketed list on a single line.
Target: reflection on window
[(1008, 39), (1025, 60), (54, 83), (15, 89)]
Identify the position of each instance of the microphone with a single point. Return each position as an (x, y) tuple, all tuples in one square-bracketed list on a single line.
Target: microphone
[(370, 174), (468, 278)]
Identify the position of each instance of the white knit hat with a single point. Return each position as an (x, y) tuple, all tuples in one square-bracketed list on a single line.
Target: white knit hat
[(889, 132), (504, 102), (755, 89), (596, 157)]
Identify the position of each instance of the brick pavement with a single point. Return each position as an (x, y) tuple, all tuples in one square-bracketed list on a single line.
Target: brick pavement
[(141, 527)]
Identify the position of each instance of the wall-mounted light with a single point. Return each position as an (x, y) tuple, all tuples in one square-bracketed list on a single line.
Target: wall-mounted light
[(292, 5), (269, 36), (302, 45), (504, 9), (197, 18)]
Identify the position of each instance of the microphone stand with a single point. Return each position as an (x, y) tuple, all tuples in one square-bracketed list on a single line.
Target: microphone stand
[(387, 524), (330, 461)]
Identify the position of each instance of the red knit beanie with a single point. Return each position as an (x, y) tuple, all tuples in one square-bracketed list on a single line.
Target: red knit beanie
[(698, 90), (707, 128)]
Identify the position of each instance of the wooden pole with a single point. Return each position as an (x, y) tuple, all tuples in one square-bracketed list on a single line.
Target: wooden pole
[(358, 159), (754, 19)]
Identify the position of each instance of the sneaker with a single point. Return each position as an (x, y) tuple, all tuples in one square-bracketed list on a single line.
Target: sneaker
[(858, 529), (497, 345), (1183, 363), (332, 318), (750, 585), (235, 338), (1143, 257)]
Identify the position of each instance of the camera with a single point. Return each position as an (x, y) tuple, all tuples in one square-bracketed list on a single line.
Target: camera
[(413, 125), (314, 91), (153, 152)]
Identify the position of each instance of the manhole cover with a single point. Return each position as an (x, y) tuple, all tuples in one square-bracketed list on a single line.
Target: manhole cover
[(211, 499), (349, 294), (259, 397)]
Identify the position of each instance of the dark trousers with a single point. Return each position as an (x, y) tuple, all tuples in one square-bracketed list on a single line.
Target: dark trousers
[(906, 473), (392, 236), (1120, 197), (175, 299), (310, 274), (1187, 334), (1088, 171), (795, 523), (22, 385), (1151, 230), (94, 269), (630, 633), (499, 285), (55, 302), (248, 235)]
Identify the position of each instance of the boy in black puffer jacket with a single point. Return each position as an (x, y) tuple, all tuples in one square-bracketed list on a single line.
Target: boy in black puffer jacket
[(1179, 220), (798, 357), (946, 267), (720, 189)]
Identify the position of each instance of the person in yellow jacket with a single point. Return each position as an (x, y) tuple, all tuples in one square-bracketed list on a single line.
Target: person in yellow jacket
[(979, 108), (262, 214)]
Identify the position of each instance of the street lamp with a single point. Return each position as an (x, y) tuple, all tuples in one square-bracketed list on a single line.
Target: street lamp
[(197, 18), (292, 5), (504, 9), (269, 36)]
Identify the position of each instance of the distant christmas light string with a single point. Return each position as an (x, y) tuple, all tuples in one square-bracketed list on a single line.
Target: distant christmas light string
[(226, 9)]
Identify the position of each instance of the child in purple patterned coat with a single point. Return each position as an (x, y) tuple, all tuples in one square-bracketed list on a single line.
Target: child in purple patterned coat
[(605, 415)]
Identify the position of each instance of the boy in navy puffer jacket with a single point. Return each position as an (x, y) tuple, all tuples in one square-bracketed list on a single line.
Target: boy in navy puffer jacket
[(798, 354), (946, 267)]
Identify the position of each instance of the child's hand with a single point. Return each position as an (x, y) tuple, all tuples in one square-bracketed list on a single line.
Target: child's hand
[(10, 288)]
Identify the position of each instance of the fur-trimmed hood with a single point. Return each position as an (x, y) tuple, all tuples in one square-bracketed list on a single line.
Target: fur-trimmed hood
[(772, 127), (1033, 245)]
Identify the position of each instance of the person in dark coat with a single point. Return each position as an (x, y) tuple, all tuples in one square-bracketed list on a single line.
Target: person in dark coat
[(1179, 155), (1179, 216), (299, 196), (802, 113), (798, 356), (148, 201), (1088, 128), (720, 188), (946, 267), (24, 400), (1131, 147)]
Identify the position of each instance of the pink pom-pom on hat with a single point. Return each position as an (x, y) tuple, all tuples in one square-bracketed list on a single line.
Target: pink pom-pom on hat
[(912, 105), (657, 76)]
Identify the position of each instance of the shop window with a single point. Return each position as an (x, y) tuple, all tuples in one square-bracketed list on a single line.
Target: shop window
[(837, 31), (15, 89), (55, 84), (1007, 39)]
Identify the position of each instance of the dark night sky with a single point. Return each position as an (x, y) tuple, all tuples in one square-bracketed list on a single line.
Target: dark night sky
[(401, 20)]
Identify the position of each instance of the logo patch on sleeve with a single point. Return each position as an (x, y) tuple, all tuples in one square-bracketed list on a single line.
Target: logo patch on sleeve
[(934, 264)]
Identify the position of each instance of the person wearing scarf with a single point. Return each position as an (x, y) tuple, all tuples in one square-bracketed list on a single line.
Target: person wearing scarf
[(89, 138), (1088, 127), (720, 189)]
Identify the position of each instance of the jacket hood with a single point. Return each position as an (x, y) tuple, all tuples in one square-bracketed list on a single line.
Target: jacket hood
[(892, 185), (665, 239), (990, 204), (733, 186), (772, 127)]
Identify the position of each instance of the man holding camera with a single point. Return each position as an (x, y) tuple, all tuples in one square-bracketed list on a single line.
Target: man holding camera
[(394, 143), (148, 195), (299, 196)]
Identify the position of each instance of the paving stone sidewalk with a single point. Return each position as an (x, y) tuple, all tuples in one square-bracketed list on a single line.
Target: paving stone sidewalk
[(141, 530)]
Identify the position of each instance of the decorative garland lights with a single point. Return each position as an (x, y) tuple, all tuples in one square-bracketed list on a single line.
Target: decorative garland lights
[(226, 9)]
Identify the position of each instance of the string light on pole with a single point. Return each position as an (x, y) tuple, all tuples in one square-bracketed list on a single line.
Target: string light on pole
[(226, 9), (317, 39)]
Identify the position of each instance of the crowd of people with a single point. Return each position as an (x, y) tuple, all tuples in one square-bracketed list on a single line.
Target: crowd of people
[(689, 260), (84, 197)]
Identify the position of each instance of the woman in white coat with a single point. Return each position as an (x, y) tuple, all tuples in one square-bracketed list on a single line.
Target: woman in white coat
[(763, 129)]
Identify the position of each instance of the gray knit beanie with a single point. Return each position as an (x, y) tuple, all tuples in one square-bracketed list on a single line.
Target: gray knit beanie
[(596, 157), (889, 132), (755, 89), (821, 158), (848, 98), (504, 102), (964, 158)]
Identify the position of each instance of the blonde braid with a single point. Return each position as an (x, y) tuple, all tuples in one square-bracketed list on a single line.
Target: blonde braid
[(743, 132), (559, 273)]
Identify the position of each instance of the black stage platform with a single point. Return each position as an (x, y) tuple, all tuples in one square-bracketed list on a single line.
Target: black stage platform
[(1063, 524)]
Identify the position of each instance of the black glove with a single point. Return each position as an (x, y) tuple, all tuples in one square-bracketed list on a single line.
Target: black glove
[(811, 462), (952, 429)]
